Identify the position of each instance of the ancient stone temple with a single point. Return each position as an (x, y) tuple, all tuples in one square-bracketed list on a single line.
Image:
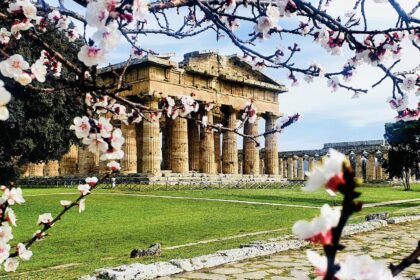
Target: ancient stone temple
[(366, 158), (179, 146)]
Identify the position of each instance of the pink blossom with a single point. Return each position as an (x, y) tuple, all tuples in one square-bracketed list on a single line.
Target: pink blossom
[(319, 229), (81, 126), (330, 174)]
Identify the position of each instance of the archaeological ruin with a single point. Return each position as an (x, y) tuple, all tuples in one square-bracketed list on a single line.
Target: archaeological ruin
[(164, 148)]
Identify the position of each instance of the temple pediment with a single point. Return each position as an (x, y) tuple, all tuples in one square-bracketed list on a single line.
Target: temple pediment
[(231, 68), (224, 80)]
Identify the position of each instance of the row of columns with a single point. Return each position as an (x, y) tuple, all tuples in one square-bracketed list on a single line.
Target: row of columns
[(367, 166), (184, 147)]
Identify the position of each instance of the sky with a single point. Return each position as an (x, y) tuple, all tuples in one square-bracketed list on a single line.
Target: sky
[(325, 116)]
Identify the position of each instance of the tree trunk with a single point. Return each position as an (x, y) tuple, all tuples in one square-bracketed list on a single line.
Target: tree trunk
[(406, 175)]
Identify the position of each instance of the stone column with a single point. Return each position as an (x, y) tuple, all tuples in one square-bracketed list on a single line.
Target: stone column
[(129, 161), (207, 163), (300, 169), (311, 164), (385, 174), (217, 155), (271, 154), (285, 168), (290, 169), (371, 167), (166, 143), (281, 167), (359, 168), (151, 141), (262, 167), (194, 145), (295, 168), (51, 168), (179, 150), (36, 169), (229, 147), (240, 167), (87, 161), (68, 164), (251, 154), (24, 171)]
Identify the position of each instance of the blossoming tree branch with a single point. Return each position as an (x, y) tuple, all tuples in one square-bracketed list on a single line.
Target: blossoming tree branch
[(114, 20)]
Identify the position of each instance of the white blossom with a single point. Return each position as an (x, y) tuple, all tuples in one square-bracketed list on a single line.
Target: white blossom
[(14, 66), (140, 9), (107, 37), (333, 83), (84, 189), (72, 35), (39, 70), (54, 16), (96, 13), (4, 36), (20, 26), (117, 139), (105, 127), (5, 232), (45, 218), (82, 205), (205, 121), (63, 23), (114, 166), (91, 181), (263, 26), (319, 262), (10, 216), (112, 154), (409, 82), (24, 79), (65, 203), (95, 143), (91, 55), (13, 196), (10, 265), (4, 251), (24, 253), (81, 126), (363, 268), (5, 97)]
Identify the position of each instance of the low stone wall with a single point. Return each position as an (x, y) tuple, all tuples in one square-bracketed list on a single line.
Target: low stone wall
[(169, 179), (252, 250)]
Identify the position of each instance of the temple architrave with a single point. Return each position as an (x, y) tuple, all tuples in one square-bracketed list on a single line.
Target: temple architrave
[(164, 145)]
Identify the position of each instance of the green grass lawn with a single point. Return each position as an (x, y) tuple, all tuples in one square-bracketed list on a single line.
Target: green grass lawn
[(113, 225)]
